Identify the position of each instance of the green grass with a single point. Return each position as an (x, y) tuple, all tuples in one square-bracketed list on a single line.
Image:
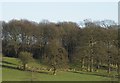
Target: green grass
[(11, 74)]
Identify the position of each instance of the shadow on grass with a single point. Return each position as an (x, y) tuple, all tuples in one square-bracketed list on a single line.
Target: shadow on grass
[(97, 74), (42, 72), (10, 67), (8, 63)]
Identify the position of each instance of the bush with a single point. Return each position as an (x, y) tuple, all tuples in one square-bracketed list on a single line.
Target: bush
[(25, 58)]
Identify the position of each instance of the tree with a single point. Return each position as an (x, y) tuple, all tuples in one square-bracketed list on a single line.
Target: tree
[(69, 37), (56, 56), (25, 58)]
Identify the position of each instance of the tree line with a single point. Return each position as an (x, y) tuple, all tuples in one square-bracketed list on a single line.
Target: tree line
[(92, 47)]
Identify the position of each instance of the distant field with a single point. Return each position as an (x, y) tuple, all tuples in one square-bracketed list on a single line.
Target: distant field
[(12, 74)]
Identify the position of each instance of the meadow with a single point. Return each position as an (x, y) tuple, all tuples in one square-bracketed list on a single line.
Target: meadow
[(11, 73)]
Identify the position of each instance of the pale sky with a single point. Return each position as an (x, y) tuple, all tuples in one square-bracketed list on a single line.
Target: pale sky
[(59, 11)]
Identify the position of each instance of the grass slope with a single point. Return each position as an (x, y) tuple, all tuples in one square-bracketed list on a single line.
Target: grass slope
[(10, 73)]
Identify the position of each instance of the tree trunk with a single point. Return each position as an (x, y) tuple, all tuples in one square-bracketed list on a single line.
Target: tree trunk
[(91, 64), (54, 70), (118, 71), (98, 66), (83, 63), (16, 53), (108, 68), (88, 64), (24, 66), (91, 55), (108, 58)]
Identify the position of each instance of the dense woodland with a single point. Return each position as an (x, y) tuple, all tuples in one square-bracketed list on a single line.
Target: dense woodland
[(90, 47)]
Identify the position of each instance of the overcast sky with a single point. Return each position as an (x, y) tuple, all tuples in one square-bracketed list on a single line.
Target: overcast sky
[(59, 11)]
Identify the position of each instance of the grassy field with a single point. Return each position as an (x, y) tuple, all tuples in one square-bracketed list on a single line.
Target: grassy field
[(10, 73)]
